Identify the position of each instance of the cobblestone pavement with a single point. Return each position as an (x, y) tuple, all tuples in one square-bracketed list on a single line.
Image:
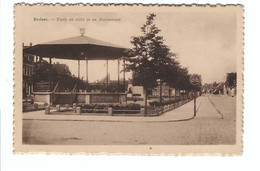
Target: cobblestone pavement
[(214, 124)]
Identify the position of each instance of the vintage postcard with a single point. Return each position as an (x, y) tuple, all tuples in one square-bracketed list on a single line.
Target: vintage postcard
[(128, 79)]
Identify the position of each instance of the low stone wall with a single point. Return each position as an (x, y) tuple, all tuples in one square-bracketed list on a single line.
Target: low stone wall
[(78, 111), (109, 111), (32, 107), (82, 97), (42, 97), (108, 98)]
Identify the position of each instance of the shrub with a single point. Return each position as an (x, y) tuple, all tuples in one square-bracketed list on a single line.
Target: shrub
[(131, 106), (67, 106), (94, 106), (157, 104), (135, 99), (35, 106), (154, 103), (134, 106)]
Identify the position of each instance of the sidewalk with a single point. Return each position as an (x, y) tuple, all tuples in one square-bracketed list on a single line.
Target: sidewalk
[(182, 113)]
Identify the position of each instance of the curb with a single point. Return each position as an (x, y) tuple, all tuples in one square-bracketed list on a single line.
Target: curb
[(177, 120)]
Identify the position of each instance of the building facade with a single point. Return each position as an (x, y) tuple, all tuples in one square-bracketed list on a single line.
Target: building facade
[(165, 91), (28, 71)]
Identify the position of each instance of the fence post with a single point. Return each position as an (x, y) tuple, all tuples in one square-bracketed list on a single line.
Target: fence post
[(171, 106), (74, 107), (78, 110), (110, 111), (142, 112), (47, 110), (67, 106), (35, 106)]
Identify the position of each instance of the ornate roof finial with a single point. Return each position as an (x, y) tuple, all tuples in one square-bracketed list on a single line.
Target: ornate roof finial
[(82, 31)]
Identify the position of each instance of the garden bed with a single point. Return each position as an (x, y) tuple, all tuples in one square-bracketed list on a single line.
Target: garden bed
[(135, 99), (27, 107), (156, 108), (116, 109)]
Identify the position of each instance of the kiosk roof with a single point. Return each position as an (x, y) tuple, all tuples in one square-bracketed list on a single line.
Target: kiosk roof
[(78, 48)]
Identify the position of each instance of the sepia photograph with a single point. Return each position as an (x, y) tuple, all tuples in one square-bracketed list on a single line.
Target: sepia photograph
[(128, 79)]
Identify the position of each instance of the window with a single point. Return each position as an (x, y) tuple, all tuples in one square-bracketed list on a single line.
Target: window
[(26, 70)]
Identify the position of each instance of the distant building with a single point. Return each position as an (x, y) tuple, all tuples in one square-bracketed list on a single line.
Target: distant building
[(165, 91), (219, 88), (138, 91), (225, 88), (231, 84), (28, 71), (60, 68), (135, 91), (214, 88)]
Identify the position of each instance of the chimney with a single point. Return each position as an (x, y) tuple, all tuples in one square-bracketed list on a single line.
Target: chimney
[(23, 44), (30, 43)]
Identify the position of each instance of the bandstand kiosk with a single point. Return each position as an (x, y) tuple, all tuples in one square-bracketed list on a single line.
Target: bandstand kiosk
[(79, 48)]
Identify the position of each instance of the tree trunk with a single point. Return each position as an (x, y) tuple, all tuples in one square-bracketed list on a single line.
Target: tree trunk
[(160, 91), (145, 103), (174, 94), (169, 93)]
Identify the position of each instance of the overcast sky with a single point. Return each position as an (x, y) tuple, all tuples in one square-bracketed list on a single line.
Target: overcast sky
[(204, 42)]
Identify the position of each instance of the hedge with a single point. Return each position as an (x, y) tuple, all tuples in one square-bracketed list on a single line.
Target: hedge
[(157, 104), (131, 106)]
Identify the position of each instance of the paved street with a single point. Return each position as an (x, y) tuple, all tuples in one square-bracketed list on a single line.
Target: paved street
[(214, 124)]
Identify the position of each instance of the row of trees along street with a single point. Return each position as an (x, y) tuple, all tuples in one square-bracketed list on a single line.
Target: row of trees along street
[(154, 61)]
